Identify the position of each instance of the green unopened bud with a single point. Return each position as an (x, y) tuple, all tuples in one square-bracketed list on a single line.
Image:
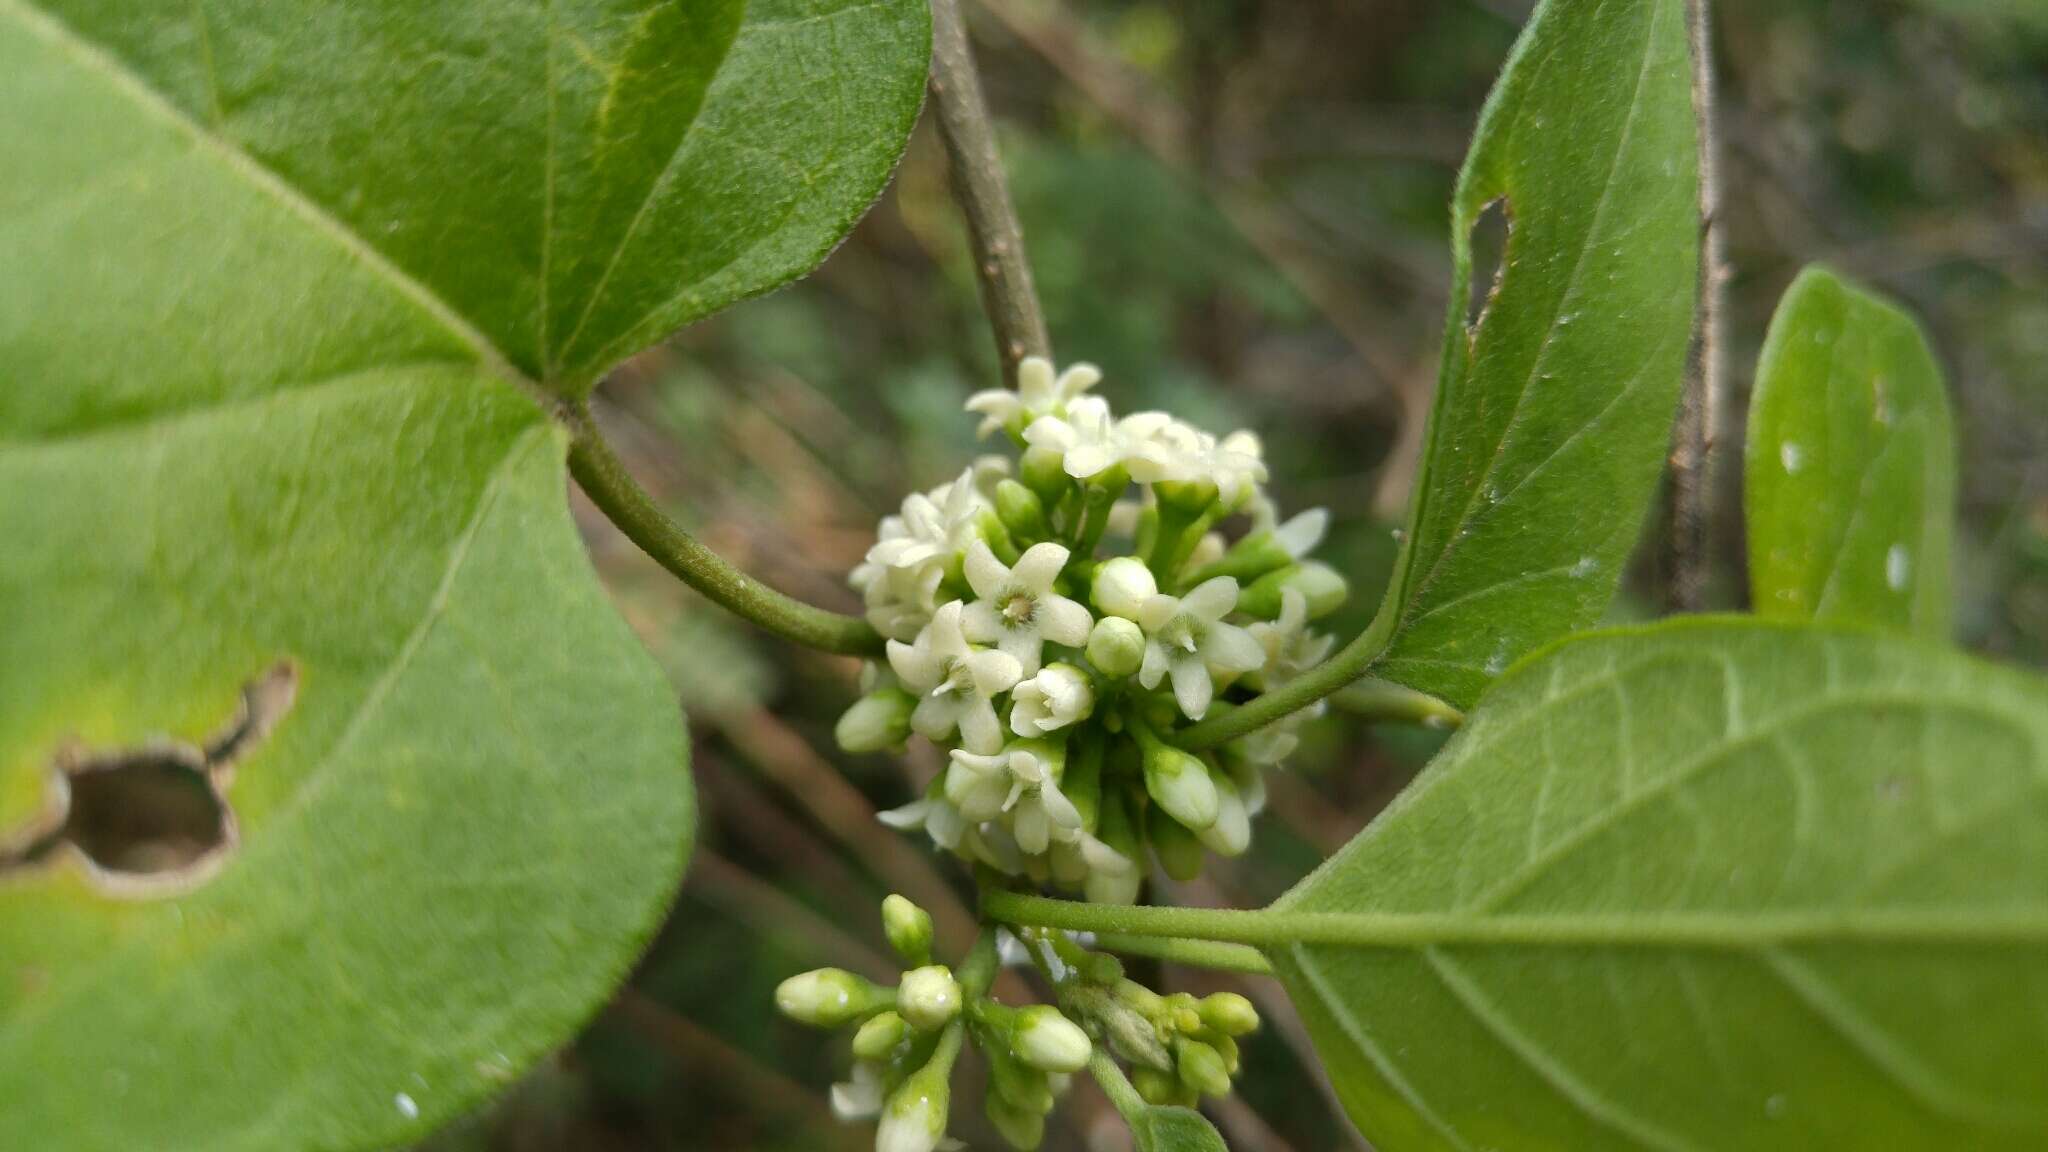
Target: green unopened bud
[(928, 997), (876, 721), (878, 1038), (914, 1119), (1226, 1048), (1231, 834), (827, 997), (1116, 647), (1018, 1084), (1019, 1128), (1229, 1013), (1049, 1041), (1021, 511), (1122, 585), (1181, 784), (1179, 853), (1044, 471), (1157, 1087), (990, 528), (909, 929), (1115, 830), (1323, 591), (1186, 495), (1102, 968), (1201, 1067), (1247, 560)]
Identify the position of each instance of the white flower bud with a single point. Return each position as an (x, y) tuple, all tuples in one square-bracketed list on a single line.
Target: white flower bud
[(825, 997), (1059, 695), (1182, 786), (1122, 586), (1231, 834), (929, 997), (1116, 647), (877, 1039), (1049, 1041), (877, 721), (909, 929), (914, 1119)]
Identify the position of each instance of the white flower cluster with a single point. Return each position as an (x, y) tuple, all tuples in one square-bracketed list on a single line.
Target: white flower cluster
[(1056, 677)]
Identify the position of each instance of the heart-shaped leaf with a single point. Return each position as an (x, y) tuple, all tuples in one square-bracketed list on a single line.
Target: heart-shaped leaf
[(332, 790), (1850, 478), (1553, 412), (1710, 885)]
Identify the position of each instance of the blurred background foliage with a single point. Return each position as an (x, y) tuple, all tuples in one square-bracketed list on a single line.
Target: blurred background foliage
[(1237, 209)]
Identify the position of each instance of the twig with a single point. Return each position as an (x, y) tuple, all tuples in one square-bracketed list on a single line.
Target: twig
[(1691, 496), (984, 194), (611, 487)]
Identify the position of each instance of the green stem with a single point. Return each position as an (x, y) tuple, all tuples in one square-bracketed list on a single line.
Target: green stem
[(1193, 953), (1116, 1086), (1385, 702), (1094, 520), (978, 970), (1351, 661), (612, 488)]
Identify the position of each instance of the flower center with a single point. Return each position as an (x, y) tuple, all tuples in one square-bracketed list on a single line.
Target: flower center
[(1018, 609)]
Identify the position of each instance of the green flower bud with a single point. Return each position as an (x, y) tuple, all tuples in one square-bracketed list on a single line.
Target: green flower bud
[(1122, 585), (990, 528), (914, 1119), (827, 997), (876, 721), (1116, 647), (928, 997), (1231, 834), (1157, 1087), (878, 1038), (909, 929), (1044, 471), (1020, 1129), (1048, 1041), (1179, 853), (1186, 495), (1021, 511), (1181, 784), (1322, 590), (1229, 1013), (1201, 1067), (1115, 829)]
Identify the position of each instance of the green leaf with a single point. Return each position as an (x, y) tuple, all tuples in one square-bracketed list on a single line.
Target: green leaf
[(1720, 884), (563, 182), (276, 365), (1850, 477), (1553, 416), (1164, 1128)]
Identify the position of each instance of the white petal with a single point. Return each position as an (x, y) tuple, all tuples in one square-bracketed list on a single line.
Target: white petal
[(1232, 649), (1300, 535), (1036, 569), (998, 402), (1085, 460), (1063, 621), (982, 623), (911, 815), (1035, 379), (1212, 599), (936, 716), (1078, 378), (945, 825), (1155, 610), (985, 574), (1192, 689), (994, 672), (1030, 827), (1052, 433), (947, 641), (914, 665), (1149, 673), (980, 731), (1025, 647), (1058, 808)]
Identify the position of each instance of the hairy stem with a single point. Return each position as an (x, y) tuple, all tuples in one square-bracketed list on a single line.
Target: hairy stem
[(1193, 953), (984, 194), (1116, 1086), (604, 478), (1385, 702), (1351, 662), (1691, 505)]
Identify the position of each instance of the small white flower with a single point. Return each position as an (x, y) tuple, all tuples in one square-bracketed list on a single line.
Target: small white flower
[(1017, 609), (1290, 647), (956, 680), (1186, 638), (900, 576), (1233, 464), (915, 1116), (1038, 393), (860, 1097), (1122, 586), (1048, 1041), (935, 814), (1022, 781), (1090, 441), (1059, 695)]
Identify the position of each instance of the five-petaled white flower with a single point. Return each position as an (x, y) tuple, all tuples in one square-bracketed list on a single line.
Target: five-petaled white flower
[(1090, 441), (900, 575), (933, 813), (1233, 464), (1186, 638), (1017, 610), (1038, 393), (1059, 695), (956, 680), (1290, 647), (1021, 780)]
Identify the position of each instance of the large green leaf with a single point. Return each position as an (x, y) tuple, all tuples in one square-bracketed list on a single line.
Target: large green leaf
[(567, 181), (1164, 1128), (1850, 477), (1553, 414), (289, 288), (1712, 885)]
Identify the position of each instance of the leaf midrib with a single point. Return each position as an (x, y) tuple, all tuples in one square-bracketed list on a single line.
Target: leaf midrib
[(238, 162)]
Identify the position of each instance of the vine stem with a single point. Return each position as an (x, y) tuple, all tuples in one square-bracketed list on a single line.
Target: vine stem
[(984, 194), (1690, 501), (1211, 954), (610, 486)]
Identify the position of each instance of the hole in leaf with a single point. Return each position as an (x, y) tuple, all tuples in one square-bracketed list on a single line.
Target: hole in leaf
[(155, 818), (1489, 248)]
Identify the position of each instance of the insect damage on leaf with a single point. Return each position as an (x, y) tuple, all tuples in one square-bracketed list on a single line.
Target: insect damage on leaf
[(1488, 240), (153, 819)]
